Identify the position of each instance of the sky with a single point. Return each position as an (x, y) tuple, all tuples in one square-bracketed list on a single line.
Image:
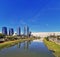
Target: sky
[(39, 15)]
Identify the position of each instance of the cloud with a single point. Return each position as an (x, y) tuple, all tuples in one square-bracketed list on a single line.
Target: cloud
[(22, 22)]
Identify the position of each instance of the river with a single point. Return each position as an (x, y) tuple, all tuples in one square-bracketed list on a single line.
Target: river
[(33, 48)]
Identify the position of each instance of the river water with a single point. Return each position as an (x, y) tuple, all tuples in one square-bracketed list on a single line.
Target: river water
[(33, 48)]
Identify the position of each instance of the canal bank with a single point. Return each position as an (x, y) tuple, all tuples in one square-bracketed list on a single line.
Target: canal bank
[(52, 46), (11, 43)]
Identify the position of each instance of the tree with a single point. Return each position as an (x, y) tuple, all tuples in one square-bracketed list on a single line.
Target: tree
[(2, 35)]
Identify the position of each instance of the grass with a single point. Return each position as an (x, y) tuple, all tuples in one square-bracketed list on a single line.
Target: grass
[(11, 43), (53, 46)]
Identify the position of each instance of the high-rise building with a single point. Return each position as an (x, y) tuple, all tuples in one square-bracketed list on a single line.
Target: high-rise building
[(18, 31), (4, 30), (26, 30), (11, 31), (29, 33)]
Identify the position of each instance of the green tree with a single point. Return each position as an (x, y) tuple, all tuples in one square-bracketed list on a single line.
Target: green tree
[(2, 35)]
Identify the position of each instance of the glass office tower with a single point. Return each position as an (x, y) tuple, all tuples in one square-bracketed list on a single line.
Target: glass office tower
[(18, 31), (11, 31), (4, 30)]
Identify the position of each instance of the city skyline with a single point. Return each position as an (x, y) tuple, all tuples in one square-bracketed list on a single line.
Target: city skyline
[(39, 15), (11, 31)]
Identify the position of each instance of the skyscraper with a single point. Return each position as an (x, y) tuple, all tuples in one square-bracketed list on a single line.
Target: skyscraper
[(11, 31), (4, 30), (26, 30), (18, 31)]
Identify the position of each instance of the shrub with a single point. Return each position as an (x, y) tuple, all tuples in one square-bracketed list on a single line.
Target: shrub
[(47, 38)]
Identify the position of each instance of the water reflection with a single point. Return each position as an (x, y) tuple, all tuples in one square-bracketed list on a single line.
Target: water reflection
[(19, 45), (25, 45)]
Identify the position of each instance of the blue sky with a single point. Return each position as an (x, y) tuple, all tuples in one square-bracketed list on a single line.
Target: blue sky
[(39, 15)]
